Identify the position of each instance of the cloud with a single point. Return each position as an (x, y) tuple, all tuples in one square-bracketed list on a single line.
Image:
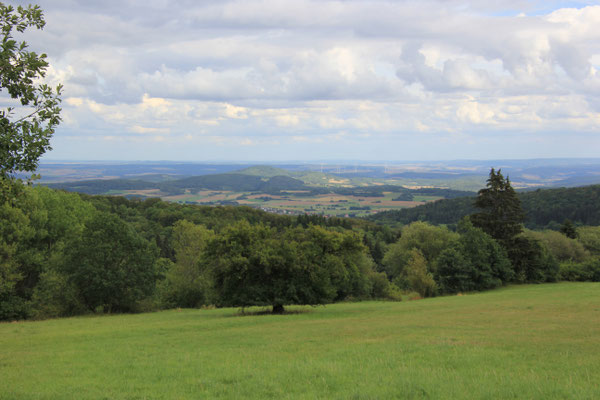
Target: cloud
[(251, 71)]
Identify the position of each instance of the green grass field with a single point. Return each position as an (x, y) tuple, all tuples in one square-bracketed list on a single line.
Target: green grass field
[(523, 342)]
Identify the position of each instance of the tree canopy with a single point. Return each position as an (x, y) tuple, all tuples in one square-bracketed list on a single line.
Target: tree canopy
[(111, 264), (28, 123), (259, 266), (500, 215)]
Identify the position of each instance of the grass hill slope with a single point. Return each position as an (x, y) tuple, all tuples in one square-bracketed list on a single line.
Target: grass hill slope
[(526, 342)]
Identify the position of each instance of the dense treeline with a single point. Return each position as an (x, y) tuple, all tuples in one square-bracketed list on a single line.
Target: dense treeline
[(407, 194), (544, 209), (66, 254), (490, 248)]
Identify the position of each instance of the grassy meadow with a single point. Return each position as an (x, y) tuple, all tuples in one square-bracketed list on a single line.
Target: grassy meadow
[(530, 342)]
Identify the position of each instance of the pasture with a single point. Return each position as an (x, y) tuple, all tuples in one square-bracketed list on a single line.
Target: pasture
[(529, 342)]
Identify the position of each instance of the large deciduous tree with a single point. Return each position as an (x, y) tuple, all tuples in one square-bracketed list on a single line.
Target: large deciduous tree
[(255, 265), (33, 112)]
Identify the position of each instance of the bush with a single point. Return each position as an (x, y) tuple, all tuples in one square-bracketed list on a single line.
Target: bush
[(560, 246), (581, 272), (382, 288)]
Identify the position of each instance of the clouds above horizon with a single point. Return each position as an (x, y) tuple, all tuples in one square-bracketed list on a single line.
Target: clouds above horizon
[(307, 79)]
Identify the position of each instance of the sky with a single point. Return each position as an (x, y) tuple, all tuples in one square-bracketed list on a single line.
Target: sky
[(307, 80)]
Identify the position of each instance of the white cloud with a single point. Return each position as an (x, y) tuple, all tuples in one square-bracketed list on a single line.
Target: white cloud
[(255, 71)]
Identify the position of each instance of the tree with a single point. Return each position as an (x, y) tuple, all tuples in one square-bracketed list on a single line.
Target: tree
[(186, 283), (416, 275), (255, 265), (501, 215), (428, 239), (25, 131), (14, 230), (589, 237), (111, 265), (560, 246), (531, 260), (568, 229), (475, 262)]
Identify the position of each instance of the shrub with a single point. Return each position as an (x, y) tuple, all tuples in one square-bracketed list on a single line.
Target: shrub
[(560, 246), (584, 271)]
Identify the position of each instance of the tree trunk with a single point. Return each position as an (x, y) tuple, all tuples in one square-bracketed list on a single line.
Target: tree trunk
[(278, 309)]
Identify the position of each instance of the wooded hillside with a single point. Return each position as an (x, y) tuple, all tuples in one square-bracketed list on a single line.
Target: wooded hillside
[(544, 208)]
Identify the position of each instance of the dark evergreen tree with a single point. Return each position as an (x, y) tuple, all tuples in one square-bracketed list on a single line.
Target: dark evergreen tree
[(568, 229), (531, 261), (501, 215)]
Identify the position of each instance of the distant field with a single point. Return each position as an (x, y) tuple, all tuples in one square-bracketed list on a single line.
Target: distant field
[(331, 204), (525, 342)]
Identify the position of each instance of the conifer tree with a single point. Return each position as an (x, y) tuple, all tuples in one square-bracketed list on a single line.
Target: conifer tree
[(501, 215)]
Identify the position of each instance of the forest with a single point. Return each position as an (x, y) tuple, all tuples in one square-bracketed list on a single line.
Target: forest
[(544, 209), (64, 254)]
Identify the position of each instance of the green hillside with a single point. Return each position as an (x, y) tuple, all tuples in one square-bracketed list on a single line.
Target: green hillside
[(526, 342)]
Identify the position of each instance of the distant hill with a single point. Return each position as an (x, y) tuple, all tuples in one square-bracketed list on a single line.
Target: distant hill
[(103, 186), (264, 171), (544, 208), (231, 182), (250, 180), (310, 178)]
